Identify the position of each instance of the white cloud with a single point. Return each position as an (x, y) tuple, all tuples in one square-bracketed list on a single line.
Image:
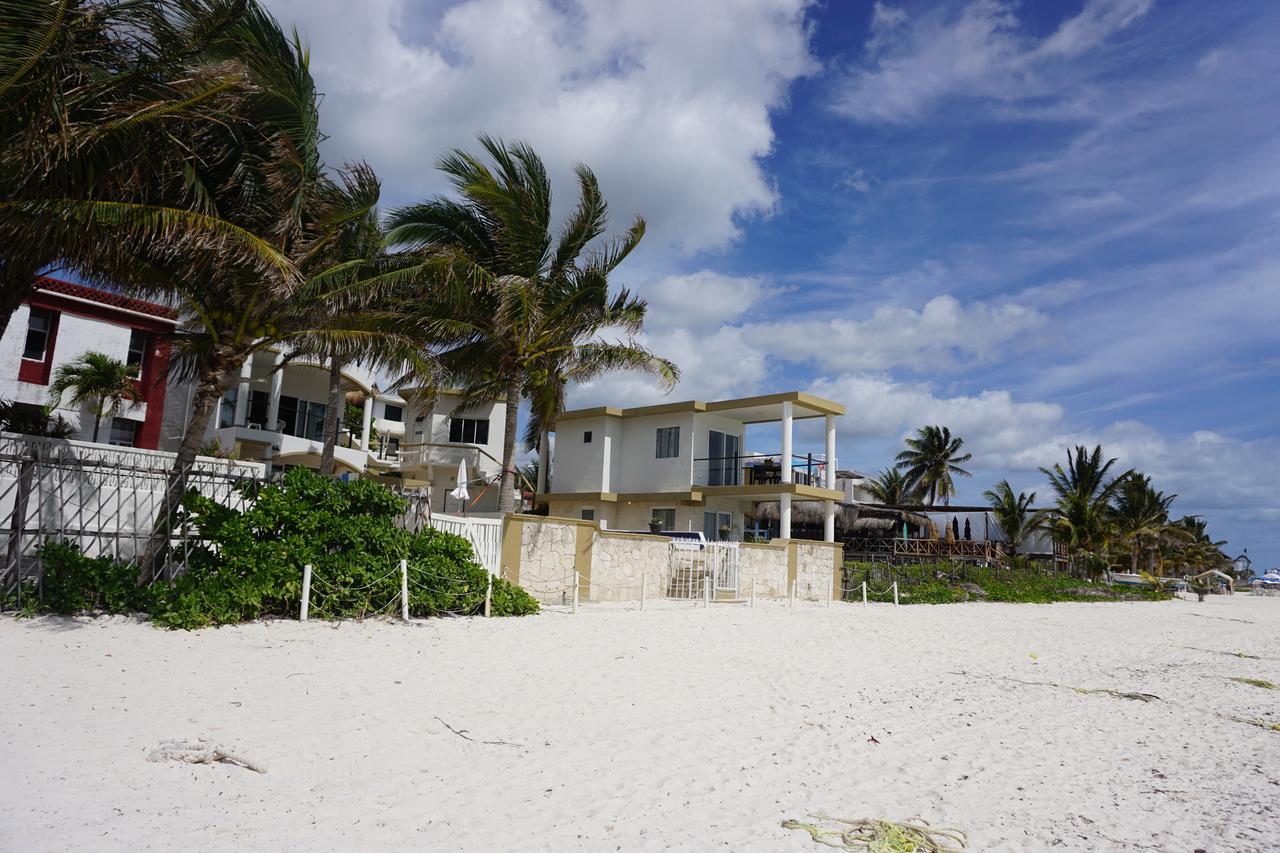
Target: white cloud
[(944, 334), (701, 300), (913, 63), (669, 102)]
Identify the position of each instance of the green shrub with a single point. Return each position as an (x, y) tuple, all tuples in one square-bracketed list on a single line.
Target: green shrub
[(74, 583), (249, 564)]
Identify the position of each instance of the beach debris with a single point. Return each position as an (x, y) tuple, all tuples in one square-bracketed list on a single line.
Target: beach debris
[(1244, 655), (1222, 618), (1262, 724), (1254, 682), (200, 751), (1105, 691), (462, 733), (913, 835)]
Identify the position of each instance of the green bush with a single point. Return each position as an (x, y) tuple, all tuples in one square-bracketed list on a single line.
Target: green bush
[(942, 583), (74, 583), (250, 563)]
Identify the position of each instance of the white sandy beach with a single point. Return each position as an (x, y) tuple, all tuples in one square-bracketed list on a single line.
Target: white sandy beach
[(672, 729)]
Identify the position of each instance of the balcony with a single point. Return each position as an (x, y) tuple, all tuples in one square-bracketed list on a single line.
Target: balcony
[(429, 453), (758, 469)]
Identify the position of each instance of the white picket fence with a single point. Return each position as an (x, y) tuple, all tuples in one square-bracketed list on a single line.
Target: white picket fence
[(484, 534)]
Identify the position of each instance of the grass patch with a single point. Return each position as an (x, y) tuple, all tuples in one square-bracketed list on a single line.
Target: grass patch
[(912, 835)]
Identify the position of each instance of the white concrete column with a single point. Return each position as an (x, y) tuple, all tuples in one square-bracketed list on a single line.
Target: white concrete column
[(606, 475), (784, 516), (828, 521), (242, 393), (273, 397), (368, 422), (544, 461), (786, 442), (831, 452)]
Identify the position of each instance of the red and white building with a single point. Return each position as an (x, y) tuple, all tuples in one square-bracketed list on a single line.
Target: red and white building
[(61, 321)]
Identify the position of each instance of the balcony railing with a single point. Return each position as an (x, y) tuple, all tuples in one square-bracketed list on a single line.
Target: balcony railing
[(423, 454), (758, 469)]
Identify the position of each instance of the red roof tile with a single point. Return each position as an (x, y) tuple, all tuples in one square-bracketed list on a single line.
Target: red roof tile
[(105, 297)]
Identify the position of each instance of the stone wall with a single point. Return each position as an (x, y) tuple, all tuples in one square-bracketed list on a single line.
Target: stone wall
[(619, 561), (766, 566), (542, 554), (816, 567)]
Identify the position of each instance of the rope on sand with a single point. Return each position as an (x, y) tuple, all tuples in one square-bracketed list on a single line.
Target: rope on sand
[(913, 835), (199, 751)]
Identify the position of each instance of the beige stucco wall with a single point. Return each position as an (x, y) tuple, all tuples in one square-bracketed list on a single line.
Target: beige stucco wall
[(542, 555)]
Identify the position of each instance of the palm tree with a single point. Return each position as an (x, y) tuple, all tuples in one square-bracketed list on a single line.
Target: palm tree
[(1141, 515), (929, 461), (1014, 514), (101, 104), (96, 377), (892, 487), (1084, 491), (517, 311)]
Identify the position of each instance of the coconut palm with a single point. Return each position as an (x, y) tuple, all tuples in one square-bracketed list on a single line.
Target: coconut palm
[(518, 312), (931, 458), (1014, 514), (102, 103), (98, 378), (1084, 491), (892, 487), (1141, 516)]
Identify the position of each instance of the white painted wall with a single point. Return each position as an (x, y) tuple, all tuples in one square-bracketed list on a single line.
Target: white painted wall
[(76, 336)]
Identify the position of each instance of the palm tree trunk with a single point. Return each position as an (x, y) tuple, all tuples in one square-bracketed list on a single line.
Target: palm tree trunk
[(332, 416), (210, 387), (16, 281), (97, 421), (507, 486), (1133, 559)]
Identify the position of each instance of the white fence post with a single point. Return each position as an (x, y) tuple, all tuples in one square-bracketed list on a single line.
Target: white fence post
[(644, 581), (488, 597), (706, 590), (576, 581), (306, 592), (753, 592), (404, 590), (895, 593), (864, 593)]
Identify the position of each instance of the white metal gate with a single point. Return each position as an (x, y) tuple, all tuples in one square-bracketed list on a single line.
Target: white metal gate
[(484, 534), (692, 563)]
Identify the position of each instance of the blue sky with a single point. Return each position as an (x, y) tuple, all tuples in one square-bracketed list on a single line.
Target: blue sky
[(1038, 223)]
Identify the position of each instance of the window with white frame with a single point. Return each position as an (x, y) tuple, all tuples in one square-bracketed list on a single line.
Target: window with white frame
[(137, 348), (124, 432), (668, 442), (469, 430), (39, 327)]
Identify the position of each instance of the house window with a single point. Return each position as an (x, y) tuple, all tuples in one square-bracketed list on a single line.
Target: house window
[(258, 403), (393, 413), (39, 326), (124, 432), (393, 447), (227, 408), (588, 515), (666, 516), (668, 442), (586, 437), (469, 430), (137, 349)]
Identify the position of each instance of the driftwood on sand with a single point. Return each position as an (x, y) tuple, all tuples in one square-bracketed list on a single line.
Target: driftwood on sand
[(200, 751)]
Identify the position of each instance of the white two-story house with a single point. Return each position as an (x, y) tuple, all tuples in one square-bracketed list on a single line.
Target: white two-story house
[(440, 432), (686, 465)]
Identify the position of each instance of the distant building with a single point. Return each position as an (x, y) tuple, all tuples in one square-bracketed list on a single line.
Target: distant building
[(61, 321), (275, 413)]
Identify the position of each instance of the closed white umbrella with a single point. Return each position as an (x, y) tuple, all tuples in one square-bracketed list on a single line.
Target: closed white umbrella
[(461, 492)]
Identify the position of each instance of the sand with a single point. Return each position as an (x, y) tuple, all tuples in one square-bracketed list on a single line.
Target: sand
[(673, 729)]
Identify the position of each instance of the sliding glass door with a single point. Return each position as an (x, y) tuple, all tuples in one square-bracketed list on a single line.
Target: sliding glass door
[(724, 464)]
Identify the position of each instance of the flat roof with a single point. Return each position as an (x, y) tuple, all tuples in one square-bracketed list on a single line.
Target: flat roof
[(751, 410)]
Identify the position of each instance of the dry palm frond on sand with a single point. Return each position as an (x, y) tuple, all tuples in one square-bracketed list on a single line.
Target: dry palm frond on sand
[(199, 751), (913, 835), (1254, 682)]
